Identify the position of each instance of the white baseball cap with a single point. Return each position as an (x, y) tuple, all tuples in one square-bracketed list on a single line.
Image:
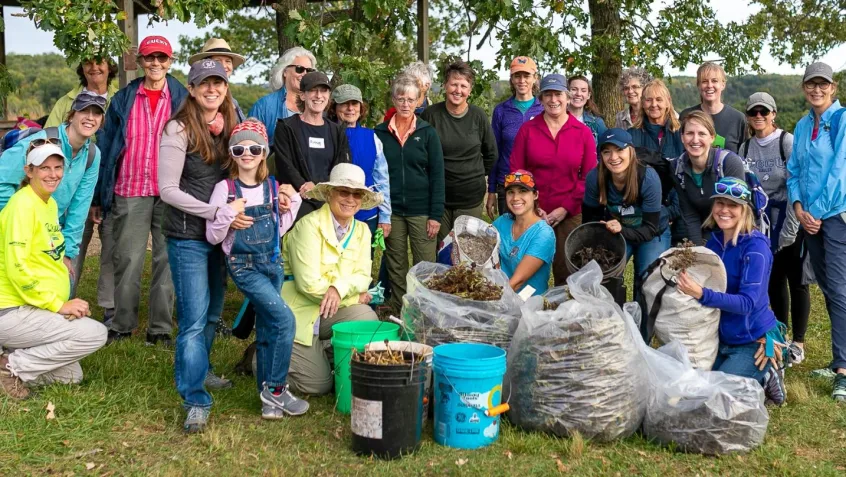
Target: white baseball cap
[(39, 154)]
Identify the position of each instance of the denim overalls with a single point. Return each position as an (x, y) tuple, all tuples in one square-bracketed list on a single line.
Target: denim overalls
[(255, 264)]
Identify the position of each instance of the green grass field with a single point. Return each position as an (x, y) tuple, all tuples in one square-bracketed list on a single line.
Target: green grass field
[(125, 419)]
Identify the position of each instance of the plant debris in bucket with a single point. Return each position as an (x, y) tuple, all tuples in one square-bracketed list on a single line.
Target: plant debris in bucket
[(478, 247), (606, 259), (387, 356), (466, 282), (683, 258)]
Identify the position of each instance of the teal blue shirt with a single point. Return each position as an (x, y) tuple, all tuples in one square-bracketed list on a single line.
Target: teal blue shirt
[(523, 106), (73, 196), (537, 241)]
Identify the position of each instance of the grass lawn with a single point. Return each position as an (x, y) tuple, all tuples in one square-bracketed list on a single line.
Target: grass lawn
[(125, 419)]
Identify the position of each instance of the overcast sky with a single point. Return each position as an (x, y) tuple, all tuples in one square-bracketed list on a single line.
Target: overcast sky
[(22, 37)]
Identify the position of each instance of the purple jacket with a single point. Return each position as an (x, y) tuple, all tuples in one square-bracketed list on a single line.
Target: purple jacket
[(506, 121)]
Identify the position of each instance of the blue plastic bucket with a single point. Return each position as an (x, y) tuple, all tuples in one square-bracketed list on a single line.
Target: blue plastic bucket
[(468, 382)]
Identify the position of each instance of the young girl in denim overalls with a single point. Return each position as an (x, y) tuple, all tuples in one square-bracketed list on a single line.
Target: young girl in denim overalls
[(251, 227)]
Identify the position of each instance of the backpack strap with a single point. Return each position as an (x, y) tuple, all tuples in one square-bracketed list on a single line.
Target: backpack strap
[(52, 132), (743, 150), (719, 159), (231, 195), (781, 150)]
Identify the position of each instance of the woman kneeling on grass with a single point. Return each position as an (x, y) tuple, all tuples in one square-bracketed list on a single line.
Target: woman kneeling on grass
[(327, 272), (254, 261), (751, 343), (527, 242), (48, 332)]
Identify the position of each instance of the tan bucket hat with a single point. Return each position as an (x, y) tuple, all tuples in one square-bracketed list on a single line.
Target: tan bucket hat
[(350, 176), (217, 47)]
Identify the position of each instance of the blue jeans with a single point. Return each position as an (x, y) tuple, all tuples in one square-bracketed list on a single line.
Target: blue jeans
[(198, 278), (644, 254), (260, 280), (828, 257), (739, 360)]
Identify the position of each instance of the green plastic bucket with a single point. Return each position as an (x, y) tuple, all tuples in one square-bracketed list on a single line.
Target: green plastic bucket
[(345, 337)]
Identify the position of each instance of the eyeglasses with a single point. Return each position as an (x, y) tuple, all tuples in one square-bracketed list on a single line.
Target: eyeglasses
[(812, 85), (301, 69), (519, 178), (735, 190), (345, 193), (239, 150), (632, 87), (763, 112), (405, 101), (160, 56)]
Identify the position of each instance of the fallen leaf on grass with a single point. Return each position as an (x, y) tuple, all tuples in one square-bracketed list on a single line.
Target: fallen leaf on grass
[(50, 408), (66, 443), (90, 466), (461, 462), (125, 444), (508, 454), (338, 431), (642, 454), (561, 467)]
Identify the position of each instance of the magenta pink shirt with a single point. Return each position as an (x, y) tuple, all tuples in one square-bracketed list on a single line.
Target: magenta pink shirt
[(559, 165)]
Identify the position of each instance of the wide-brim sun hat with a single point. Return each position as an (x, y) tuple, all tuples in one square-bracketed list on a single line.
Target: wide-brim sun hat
[(217, 47), (350, 176)]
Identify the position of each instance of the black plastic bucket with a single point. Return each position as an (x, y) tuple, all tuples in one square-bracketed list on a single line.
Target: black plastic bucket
[(593, 234), (387, 408)]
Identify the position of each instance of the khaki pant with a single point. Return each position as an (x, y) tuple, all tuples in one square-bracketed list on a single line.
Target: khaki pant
[(47, 346), (405, 231), (448, 219), (559, 263), (106, 282), (311, 369)]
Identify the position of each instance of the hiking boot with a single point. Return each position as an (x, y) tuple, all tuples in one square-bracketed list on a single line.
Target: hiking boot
[(285, 401), (795, 353), (271, 413), (774, 389), (162, 339), (10, 384), (116, 336), (196, 420), (214, 382), (839, 392)]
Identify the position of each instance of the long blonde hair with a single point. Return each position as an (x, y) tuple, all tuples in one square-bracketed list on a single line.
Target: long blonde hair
[(658, 88), (744, 226)]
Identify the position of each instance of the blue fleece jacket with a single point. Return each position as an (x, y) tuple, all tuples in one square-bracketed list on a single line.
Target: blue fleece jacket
[(817, 169), (269, 109), (505, 122), (745, 306)]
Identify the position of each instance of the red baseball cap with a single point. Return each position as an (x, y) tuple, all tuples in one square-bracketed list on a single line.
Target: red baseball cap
[(155, 44)]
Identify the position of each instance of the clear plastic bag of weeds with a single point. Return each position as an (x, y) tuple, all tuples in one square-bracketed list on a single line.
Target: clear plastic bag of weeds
[(704, 412), (436, 317), (578, 367)]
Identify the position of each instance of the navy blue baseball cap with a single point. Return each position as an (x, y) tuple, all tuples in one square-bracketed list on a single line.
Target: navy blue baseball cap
[(617, 137), (554, 82)]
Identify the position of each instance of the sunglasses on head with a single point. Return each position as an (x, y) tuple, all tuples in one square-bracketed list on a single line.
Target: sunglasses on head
[(302, 69), (42, 141), (157, 56), (735, 190), (521, 178), (239, 150), (344, 193), (757, 112)]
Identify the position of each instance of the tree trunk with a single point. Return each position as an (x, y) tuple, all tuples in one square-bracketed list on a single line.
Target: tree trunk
[(607, 59), (282, 19)]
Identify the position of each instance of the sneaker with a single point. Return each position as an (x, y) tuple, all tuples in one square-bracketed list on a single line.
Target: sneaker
[(285, 401), (196, 420), (11, 385), (774, 389), (271, 413), (162, 339), (214, 382), (824, 373), (116, 336), (839, 392), (795, 353)]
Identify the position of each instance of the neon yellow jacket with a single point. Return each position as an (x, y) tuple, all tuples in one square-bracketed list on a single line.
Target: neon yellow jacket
[(317, 260), (31, 251)]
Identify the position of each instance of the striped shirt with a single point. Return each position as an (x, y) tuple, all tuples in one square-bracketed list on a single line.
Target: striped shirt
[(139, 169)]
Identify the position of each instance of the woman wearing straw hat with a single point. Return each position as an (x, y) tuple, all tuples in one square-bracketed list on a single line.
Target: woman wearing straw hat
[(327, 273), (218, 50)]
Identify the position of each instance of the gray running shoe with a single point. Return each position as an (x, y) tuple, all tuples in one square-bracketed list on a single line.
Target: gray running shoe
[(824, 373), (214, 382), (839, 392), (287, 402), (795, 353), (196, 420), (271, 412)]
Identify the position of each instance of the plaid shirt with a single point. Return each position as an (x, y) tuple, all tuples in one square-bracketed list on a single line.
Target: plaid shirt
[(139, 169)]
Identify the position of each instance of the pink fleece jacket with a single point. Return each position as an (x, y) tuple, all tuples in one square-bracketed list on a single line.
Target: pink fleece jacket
[(559, 164)]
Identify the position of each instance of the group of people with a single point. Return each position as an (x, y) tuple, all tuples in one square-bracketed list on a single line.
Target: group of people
[(289, 199)]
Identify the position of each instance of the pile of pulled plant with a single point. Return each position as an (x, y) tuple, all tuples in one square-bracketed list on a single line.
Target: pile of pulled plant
[(478, 248), (607, 259), (465, 281)]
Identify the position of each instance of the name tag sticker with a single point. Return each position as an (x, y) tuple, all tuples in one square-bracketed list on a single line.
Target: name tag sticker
[(630, 210), (316, 143)]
